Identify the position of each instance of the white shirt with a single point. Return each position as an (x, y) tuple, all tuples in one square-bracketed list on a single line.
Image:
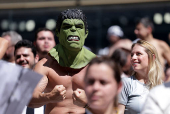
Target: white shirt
[(39, 110), (158, 101)]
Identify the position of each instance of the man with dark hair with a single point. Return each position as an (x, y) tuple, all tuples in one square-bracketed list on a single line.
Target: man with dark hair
[(44, 41), (62, 84), (25, 54), (144, 29)]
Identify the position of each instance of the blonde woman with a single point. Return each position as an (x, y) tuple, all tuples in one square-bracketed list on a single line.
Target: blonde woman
[(147, 74)]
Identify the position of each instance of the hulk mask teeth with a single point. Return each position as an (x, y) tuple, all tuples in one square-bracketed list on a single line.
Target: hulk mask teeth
[(73, 38)]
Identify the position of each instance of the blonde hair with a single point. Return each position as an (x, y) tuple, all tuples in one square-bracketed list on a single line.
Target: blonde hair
[(155, 69)]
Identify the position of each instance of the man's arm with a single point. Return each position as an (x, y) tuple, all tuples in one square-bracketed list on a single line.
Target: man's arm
[(3, 46), (79, 98), (41, 98), (38, 98)]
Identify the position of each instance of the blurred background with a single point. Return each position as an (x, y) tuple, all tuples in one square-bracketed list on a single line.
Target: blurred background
[(26, 16)]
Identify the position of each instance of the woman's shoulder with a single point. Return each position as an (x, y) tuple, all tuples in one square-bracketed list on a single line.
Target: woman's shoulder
[(129, 80)]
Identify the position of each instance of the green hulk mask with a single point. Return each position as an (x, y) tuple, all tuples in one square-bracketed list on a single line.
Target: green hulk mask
[(72, 33)]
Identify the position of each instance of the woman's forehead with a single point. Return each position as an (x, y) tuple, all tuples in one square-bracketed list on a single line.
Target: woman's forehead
[(137, 47)]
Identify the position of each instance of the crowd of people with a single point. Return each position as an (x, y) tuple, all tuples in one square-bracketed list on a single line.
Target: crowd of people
[(127, 77)]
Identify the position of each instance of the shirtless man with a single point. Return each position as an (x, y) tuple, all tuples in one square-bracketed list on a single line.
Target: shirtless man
[(144, 28), (62, 84)]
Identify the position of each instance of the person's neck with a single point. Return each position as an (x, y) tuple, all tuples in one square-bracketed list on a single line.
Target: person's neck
[(142, 77), (149, 38), (41, 55), (11, 60), (71, 55), (107, 110), (113, 43)]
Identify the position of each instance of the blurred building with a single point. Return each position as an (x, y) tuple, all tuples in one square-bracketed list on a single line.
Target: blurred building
[(26, 16)]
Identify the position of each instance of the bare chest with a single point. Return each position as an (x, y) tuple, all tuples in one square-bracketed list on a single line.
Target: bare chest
[(70, 78)]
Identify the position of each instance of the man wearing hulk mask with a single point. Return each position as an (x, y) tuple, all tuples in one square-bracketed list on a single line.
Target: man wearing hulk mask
[(61, 88)]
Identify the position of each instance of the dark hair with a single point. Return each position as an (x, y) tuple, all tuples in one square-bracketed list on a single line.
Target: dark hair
[(27, 44), (43, 29), (71, 14), (120, 56), (108, 61), (146, 22)]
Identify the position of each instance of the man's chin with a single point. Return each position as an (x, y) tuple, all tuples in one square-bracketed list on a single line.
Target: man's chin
[(25, 66)]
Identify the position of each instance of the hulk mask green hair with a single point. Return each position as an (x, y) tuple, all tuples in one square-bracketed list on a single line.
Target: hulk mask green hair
[(71, 14)]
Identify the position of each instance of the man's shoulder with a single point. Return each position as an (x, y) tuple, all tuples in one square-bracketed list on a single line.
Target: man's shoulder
[(49, 59), (42, 65), (161, 42)]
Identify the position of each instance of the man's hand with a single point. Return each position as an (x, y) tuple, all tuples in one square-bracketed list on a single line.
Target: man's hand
[(58, 94), (79, 97)]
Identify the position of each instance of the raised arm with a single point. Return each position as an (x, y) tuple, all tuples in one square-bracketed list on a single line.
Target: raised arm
[(3, 46), (40, 97)]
